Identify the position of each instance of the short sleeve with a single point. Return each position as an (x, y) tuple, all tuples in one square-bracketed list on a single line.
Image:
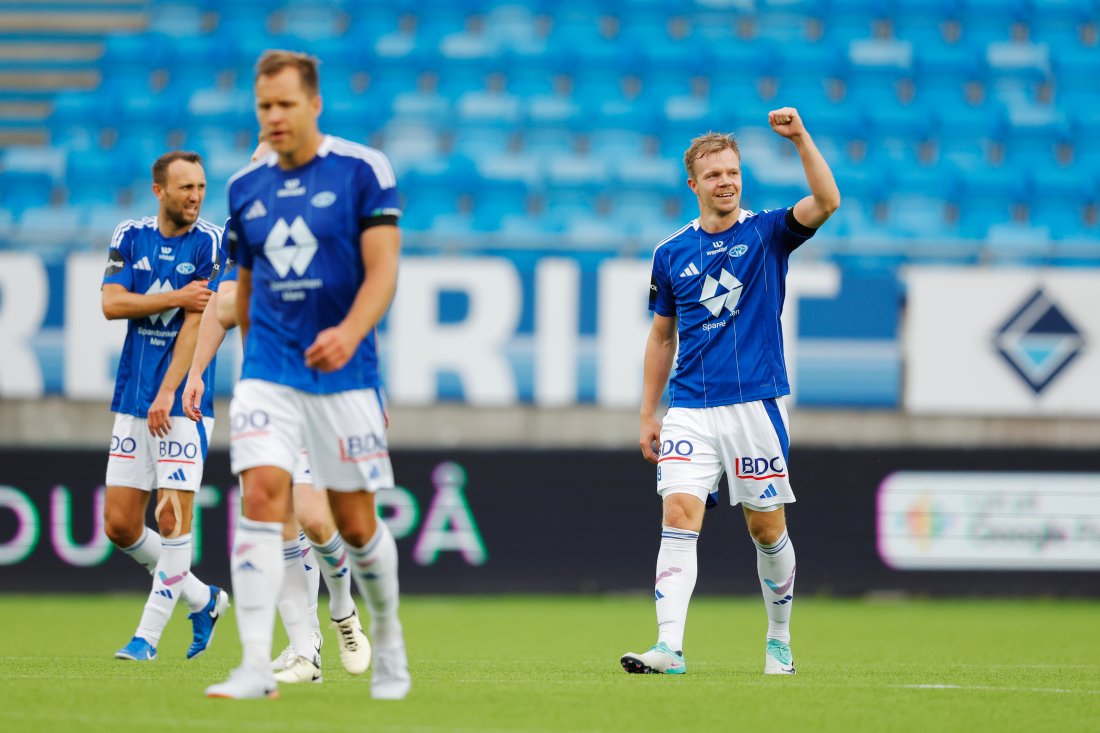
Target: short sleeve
[(120, 258), (236, 247), (661, 298), (788, 230), (379, 202), (222, 263), (208, 259)]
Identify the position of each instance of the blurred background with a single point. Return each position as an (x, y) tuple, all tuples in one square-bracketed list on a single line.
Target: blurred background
[(941, 329)]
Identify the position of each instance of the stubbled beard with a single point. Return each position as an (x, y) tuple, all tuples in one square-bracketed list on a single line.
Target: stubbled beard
[(178, 218)]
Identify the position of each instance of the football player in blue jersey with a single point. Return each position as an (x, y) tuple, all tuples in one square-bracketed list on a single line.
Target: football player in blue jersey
[(316, 240), (717, 293), (156, 277), (309, 531)]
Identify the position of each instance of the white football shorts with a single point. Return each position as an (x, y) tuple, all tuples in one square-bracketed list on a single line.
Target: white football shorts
[(344, 434), (302, 472), (140, 460), (748, 442)]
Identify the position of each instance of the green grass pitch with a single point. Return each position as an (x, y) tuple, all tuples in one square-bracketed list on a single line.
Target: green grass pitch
[(550, 663)]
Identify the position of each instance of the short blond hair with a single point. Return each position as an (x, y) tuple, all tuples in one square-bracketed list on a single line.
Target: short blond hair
[(709, 144), (274, 61)]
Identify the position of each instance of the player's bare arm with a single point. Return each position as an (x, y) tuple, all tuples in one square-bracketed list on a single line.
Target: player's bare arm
[(660, 351), (210, 337), (159, 418), (118, 302), (244, 295), (380, 247), (824, 198), (226, 298)]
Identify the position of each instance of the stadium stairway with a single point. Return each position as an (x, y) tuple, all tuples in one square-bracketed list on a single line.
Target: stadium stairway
[(50, 47)]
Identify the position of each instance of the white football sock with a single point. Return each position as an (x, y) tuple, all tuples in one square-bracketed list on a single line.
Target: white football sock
[(146, 553), (172, 568), (294, 598), (334, 570), (313, 574), (257, 570), (677, 569), (375, 569), (775, 565)]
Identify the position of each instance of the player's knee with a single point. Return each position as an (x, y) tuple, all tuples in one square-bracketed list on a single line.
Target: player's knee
[(167, 521), (120, 530), (359, 531), (264, 504), (679, 516), (318, 529), (767, 533)]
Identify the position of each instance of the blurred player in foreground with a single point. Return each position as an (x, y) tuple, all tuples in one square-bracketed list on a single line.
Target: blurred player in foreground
[(315, 232), (316, 534), (717, 291), (156, 278)]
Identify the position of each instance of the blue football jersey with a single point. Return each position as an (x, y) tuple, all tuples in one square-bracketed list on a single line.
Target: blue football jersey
[(726, 291), (145, 262), (298, 231)]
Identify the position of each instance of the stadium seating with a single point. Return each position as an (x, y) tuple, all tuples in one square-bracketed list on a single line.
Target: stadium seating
[(956, 128)]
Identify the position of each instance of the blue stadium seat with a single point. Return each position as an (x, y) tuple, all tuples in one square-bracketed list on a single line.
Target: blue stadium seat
[(46, 228), (180, 20), (96, 177), (409, 144), (494, 200), (101, 222), (1031, 135), (552, 109), (917, 216), (942, 63), (456, 80), (479, 107), (571, 169), (232, 109), (79, 117), (31, 176), (311, 20), (804, 61), (964, 133), (419, 106), (135, 56)]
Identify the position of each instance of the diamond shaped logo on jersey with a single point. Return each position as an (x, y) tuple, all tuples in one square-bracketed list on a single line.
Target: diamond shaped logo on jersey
[(714, 301), (164, 317), (290, 247), (1038, 341)]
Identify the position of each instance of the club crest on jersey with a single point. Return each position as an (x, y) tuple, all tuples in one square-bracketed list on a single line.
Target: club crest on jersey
[(739, 250), (290, 247), (323, 199), (716, 302), (185, 268)]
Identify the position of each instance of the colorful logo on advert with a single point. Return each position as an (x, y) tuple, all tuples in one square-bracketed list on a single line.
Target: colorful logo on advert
[(924, 522)]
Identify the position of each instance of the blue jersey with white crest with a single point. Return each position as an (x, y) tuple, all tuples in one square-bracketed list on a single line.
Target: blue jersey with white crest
[(144, 261), (298, 231), (726, 291)]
